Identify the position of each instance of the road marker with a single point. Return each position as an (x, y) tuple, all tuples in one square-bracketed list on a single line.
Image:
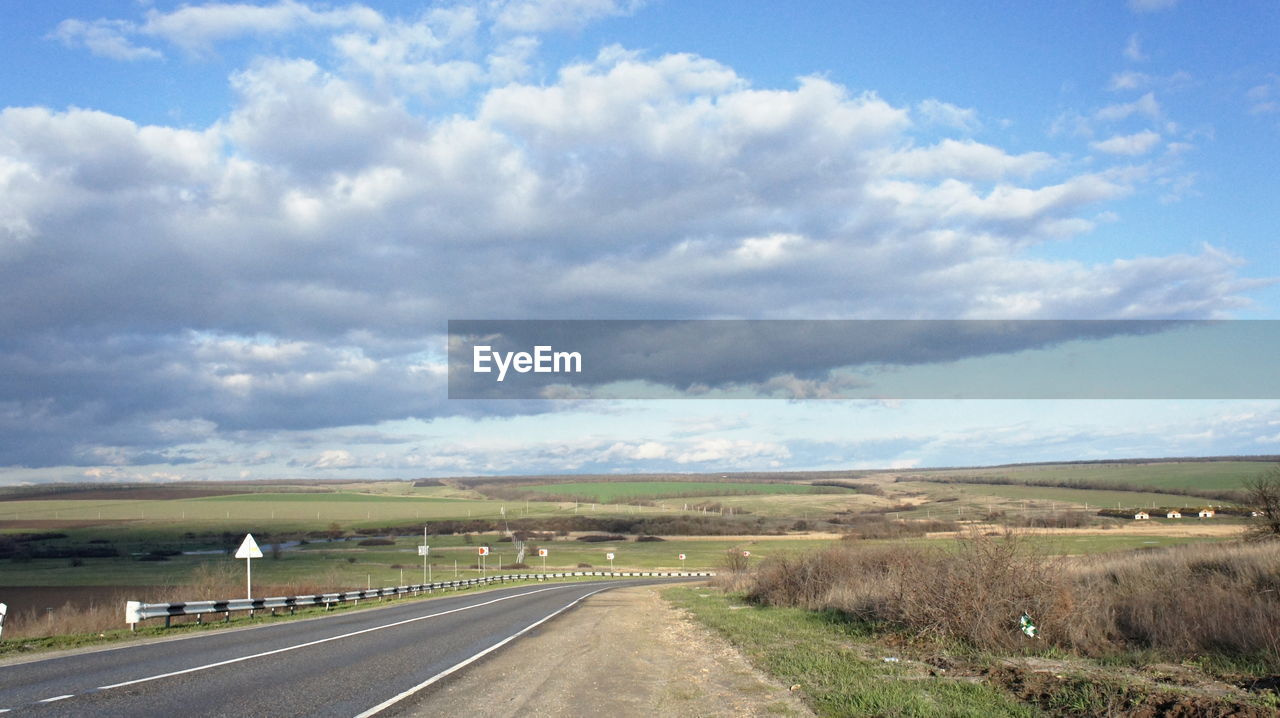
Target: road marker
[(248, 551)]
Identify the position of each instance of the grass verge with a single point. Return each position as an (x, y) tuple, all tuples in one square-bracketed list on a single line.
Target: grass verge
[(838, 669)]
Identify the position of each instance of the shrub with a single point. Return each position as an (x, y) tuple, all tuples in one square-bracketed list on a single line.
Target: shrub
[(1182, 602), (642, 539), (376, 542), (600, 538)]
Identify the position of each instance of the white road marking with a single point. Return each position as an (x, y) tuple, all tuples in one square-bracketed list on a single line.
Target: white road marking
[(459, 666), (57, 698), (324, 640)]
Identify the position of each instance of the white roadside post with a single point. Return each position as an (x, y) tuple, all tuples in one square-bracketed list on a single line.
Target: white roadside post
[(3, 610), (422, 551), (248, 551), (543, 553), (610, 557), (681, 563)]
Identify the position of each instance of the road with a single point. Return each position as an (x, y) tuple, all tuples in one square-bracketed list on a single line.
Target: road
[(350, 664)]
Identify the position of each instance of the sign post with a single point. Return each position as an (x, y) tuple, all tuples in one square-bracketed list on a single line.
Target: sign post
[(484, 551), (422, 551), (248, 551), (610, 557), (543, 553), (682, 563)]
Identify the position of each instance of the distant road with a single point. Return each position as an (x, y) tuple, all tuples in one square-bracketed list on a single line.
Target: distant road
[(349, 664)]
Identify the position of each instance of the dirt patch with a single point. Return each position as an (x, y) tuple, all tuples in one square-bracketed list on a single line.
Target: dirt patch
[(1192, 527), (624, 653), (811, 536), (1062, 688)]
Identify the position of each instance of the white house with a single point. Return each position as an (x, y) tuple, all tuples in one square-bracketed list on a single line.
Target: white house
[(1173, 514), (1206, 513), (1141, 515)]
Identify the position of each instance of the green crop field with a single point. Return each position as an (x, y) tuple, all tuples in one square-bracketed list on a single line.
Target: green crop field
[(1042, 496), (621, 491), (1205, 475), (302, 510)]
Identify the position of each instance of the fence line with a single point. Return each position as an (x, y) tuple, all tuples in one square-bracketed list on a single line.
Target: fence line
[(135, 611)]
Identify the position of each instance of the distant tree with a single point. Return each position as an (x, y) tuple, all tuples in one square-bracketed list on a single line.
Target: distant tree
[(1262, 495), (335, 530)]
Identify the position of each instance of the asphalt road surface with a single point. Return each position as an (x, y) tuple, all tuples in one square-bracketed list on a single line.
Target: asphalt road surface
[(351, 664)]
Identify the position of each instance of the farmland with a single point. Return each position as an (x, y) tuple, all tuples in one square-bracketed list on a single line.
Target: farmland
[(622, 491), (167, 541)]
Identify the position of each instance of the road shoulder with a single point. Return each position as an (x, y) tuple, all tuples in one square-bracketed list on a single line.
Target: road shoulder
[(622, 653)]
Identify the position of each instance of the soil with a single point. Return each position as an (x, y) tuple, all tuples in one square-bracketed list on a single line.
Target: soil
[(625, 654), (1165, 691)]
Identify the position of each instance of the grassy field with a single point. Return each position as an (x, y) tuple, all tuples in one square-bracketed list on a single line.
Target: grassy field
[(622, 491), (1172, 475)]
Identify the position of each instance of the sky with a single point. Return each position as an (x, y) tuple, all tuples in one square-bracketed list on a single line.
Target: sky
[(232, 235)]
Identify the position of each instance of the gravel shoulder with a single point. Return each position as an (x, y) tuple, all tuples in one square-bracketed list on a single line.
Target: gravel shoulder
[(622, 653)]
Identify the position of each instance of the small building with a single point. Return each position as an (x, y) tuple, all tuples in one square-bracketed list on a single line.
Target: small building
[(1206, 513), (1141, 515), (1173, 514)]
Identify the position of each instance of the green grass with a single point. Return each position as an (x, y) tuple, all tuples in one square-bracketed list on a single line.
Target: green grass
[(1179, 475), (300, 511), (1046, 496), (614, 491), (840, 672), (375, 564)]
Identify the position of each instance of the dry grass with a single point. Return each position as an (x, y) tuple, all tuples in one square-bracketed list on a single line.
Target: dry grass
[(207, 581), (1182, 602)]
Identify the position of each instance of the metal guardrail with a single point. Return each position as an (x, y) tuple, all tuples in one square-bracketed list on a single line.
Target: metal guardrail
[(135, 611)]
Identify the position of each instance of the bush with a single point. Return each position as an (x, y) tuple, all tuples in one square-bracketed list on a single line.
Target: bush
[(1183, 602), (600, 538), (643, 539), (376, 542)]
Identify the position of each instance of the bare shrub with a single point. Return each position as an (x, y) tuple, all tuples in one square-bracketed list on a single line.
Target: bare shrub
[(1263, 497), (1189, 600), (1183, 601)]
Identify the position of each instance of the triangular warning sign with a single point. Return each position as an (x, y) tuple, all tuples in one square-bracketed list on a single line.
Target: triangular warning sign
[(249, 549)]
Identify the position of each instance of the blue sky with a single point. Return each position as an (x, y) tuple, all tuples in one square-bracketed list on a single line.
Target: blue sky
[(231, 234)]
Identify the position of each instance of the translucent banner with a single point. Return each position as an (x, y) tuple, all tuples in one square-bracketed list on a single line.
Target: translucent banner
[(863, 359)]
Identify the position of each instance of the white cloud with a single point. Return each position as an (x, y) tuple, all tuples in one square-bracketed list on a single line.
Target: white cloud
[(1129, 80), (544, 15), (105, 38), (964, 159), (1147, 105), (733, 451), (1265, 98), (1145, 6), (197, 28), (945, 114), (1133, 49), (1138, 143)]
